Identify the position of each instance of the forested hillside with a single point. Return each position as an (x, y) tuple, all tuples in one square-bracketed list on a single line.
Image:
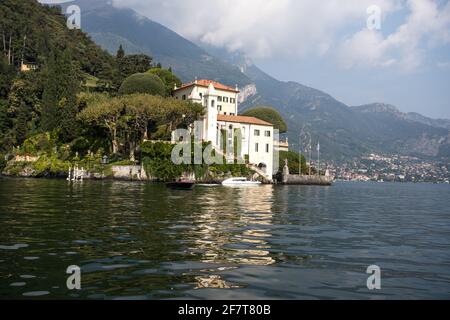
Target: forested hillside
[(45, 98)]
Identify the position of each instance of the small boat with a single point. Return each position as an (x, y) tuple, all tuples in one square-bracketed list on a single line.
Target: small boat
[(181, 185), (240, 182)]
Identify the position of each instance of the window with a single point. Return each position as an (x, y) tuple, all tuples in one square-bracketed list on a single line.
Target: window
[(267, 148), (225, 113), (225, 99), (267, 133), (184, 97), (219, 99), (219, 107), (232, 114), (256, 147), (212, 104), (232, 100), (257, 133), (201, 95)]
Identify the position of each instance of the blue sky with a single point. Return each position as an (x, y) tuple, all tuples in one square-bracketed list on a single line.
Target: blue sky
[(424, 89), (326, 44)]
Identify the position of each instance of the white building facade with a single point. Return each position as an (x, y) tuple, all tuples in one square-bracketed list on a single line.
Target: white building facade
[(223, 127)]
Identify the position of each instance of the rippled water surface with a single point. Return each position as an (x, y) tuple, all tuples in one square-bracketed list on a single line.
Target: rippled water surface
[(143, 241)]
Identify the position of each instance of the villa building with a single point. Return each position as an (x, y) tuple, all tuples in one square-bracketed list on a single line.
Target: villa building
[(221, 123), (24, 67)]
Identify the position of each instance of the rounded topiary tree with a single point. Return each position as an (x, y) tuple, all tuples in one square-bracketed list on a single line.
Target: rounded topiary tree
[(143, 83), (169, 79), (270, 115)]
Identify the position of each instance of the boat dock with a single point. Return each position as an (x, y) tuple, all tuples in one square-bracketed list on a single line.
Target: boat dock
[(309, 180)]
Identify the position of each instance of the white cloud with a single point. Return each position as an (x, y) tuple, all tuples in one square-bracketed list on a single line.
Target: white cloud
[(426, 26), (300, 28)]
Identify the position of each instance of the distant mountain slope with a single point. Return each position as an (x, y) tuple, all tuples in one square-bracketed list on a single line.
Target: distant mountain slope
[(311, 113), (440, 123), (110, 27), (346, 132), (402, 133)]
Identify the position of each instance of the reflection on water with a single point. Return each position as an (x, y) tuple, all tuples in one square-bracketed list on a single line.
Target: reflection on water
[(236, 234), (143, 241)]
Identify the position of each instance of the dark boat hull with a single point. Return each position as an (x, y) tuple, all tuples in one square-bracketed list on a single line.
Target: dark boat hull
[(180, 185)]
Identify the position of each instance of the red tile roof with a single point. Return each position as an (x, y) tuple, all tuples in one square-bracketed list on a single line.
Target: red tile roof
[(206, 83), (243, 119)]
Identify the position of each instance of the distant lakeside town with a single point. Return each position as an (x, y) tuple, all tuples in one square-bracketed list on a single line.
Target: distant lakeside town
[(392, 168)]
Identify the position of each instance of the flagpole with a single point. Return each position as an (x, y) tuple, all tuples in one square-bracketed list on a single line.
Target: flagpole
[(318, 158), (310, 156), (300, 154)]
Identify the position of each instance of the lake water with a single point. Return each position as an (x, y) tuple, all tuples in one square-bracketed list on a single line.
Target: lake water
[(143, 241)]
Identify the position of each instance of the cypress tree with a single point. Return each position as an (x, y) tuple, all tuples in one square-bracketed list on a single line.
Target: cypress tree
[(59, 96), (68, 108), (120, 53), (49, 117)]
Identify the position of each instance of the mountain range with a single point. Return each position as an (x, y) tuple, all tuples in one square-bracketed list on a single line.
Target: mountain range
[(344, 131)]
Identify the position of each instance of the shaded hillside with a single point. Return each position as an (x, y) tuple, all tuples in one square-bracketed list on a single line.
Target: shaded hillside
[(36, 31), (110, 27), (43, 99)]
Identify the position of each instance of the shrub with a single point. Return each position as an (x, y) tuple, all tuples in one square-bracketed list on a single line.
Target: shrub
[(169, 79), (143, 83), (50, 166), (293, 162), (16, 168), (40, 143)]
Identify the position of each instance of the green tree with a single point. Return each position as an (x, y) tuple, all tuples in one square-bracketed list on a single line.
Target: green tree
[(50, 97), (268, 114), (169, 79), (102, 112), (23, 110), (135, 63), (68, 107), (5, 126), (143, 83), (120, 53), (293, 162), (6, 77), (59, 97), (127, 118)]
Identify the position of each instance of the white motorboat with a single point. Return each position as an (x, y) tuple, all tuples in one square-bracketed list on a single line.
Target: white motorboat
[(240, 182)]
